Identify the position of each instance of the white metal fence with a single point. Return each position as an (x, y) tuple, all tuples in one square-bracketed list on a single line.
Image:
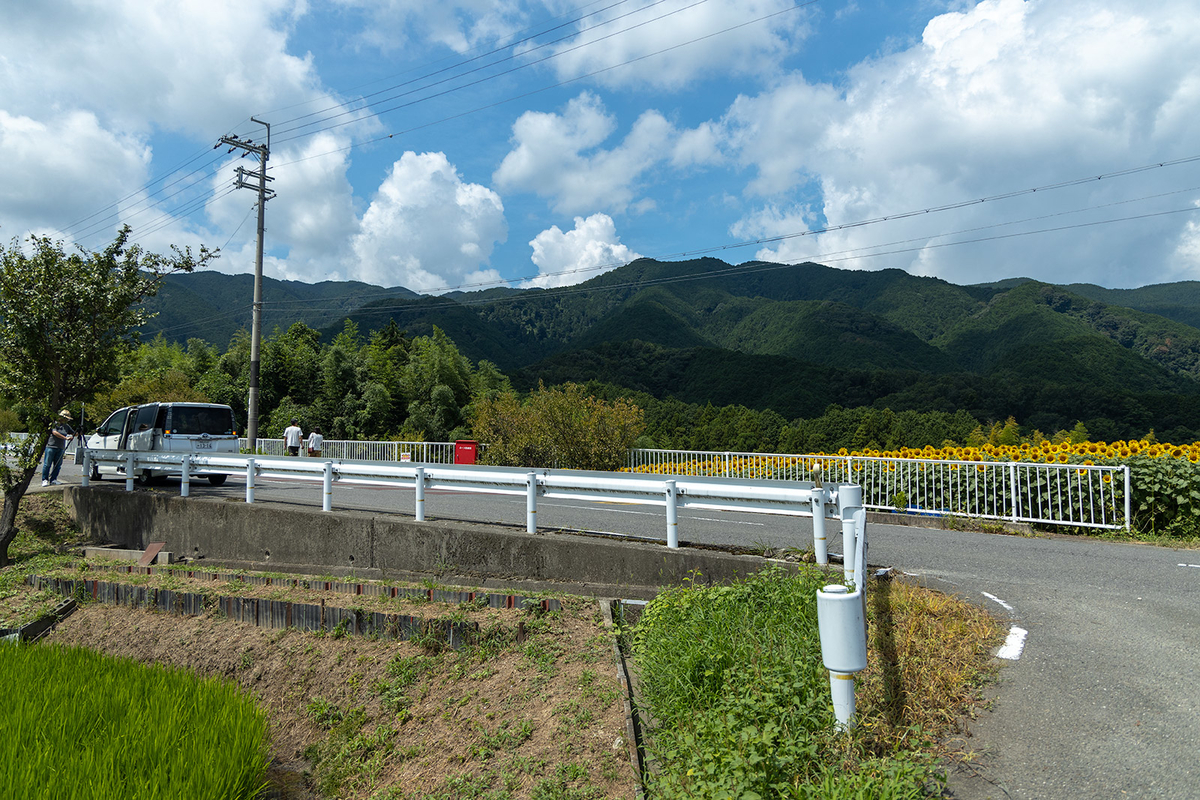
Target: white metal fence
[(417, 452), (1057, 494)]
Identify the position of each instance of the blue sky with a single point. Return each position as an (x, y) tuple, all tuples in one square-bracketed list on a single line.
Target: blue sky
[(466, 143)]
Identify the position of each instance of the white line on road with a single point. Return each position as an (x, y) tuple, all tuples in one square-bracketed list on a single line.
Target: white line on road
[(998, 601), (1013, 645), (1197, 566)]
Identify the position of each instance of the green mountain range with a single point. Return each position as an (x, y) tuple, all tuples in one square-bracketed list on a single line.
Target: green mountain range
[(792, 338)]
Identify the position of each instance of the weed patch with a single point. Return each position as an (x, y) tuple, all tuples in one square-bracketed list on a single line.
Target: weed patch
[(732, 677)]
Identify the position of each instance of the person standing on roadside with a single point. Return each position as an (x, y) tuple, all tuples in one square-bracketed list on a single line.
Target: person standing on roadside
[(292, 436), (315, 443), (61, 435)]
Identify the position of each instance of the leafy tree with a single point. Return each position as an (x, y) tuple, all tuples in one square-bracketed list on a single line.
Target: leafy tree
[(438, 381), (562, 427), (67, 318)]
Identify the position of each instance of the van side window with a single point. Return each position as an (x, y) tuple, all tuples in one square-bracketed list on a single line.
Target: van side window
[(145, 417), (115, 423)]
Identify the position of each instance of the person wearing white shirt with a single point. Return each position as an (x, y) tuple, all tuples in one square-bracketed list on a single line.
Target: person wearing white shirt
[(315, 442), (291, 438)]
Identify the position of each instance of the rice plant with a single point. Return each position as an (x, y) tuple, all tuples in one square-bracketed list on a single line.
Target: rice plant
[(80, 724)]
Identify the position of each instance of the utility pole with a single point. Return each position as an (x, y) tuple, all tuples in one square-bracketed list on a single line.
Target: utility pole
[(250, 180)]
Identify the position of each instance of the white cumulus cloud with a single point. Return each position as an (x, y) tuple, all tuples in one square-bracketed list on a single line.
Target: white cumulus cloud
[(671, 44), (427, 230), (1002, 96), (591, 248), (559, 156)]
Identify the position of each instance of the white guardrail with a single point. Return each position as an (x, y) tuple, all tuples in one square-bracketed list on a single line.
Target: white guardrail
[(1081, 495), (791, 498)]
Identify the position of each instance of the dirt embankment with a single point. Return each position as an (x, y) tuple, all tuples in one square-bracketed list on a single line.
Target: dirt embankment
[(533, 709)]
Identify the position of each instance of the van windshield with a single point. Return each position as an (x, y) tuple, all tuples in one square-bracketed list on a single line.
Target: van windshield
[(195, 420)]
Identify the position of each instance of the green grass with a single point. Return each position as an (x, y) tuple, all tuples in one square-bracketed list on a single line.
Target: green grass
[(79, 724), (732, 677)]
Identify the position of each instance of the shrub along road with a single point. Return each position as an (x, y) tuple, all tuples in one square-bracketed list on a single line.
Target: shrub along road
[(1104, 699)]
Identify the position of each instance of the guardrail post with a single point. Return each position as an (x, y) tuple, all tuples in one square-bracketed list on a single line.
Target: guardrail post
[(129, 471), (87, 468), (420, 491), (185, 478), (250, 469), (327, 485), (849, 499), (531, 503), (820, 549), (672, 516)]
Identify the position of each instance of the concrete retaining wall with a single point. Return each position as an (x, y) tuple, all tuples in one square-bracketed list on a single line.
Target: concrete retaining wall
[(270, 537)]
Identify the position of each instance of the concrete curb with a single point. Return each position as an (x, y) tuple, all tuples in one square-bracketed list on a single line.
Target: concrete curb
[(947, 523)]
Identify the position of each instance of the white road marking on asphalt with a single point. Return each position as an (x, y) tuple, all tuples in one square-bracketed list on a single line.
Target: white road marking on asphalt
[(998, 601), (1197, 566), (1014, 644)]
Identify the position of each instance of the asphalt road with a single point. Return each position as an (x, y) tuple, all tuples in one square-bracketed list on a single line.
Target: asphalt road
[(1102, 699)]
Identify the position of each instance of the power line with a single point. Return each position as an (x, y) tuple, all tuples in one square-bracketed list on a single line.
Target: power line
[(484, 79)]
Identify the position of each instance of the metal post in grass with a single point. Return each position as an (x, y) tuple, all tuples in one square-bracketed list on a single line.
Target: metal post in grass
[(419, 484), (185, 477), (531, 503), (843, 647), (250, 469), (841, 613), (672, 515), (327, 485), (129, 471)]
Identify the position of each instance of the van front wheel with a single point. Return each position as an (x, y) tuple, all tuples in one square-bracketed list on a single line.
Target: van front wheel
[(217, 480)]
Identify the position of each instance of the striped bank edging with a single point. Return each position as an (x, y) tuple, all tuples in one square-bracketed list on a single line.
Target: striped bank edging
[(281, 614)]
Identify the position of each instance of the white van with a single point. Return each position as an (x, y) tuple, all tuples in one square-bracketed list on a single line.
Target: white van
[(200, 428)]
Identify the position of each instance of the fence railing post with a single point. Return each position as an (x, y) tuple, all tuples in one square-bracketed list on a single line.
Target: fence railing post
[(1128, 502), (531, 503), (419, 487), (672, 516), (327, 487), (1016, 493)]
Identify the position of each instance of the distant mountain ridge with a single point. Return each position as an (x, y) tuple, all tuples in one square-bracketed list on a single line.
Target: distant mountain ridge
[(811, 334)]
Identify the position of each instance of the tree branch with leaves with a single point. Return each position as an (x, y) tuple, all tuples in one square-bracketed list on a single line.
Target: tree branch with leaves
[(65, 319)]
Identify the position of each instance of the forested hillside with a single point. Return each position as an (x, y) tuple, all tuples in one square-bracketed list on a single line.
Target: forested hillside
[(789, 339)]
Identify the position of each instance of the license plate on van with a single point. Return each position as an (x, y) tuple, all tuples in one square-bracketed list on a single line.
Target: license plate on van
[(203, 445)]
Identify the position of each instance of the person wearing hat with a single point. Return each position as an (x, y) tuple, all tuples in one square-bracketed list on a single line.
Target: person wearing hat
[(61, 435), (292, 436)]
